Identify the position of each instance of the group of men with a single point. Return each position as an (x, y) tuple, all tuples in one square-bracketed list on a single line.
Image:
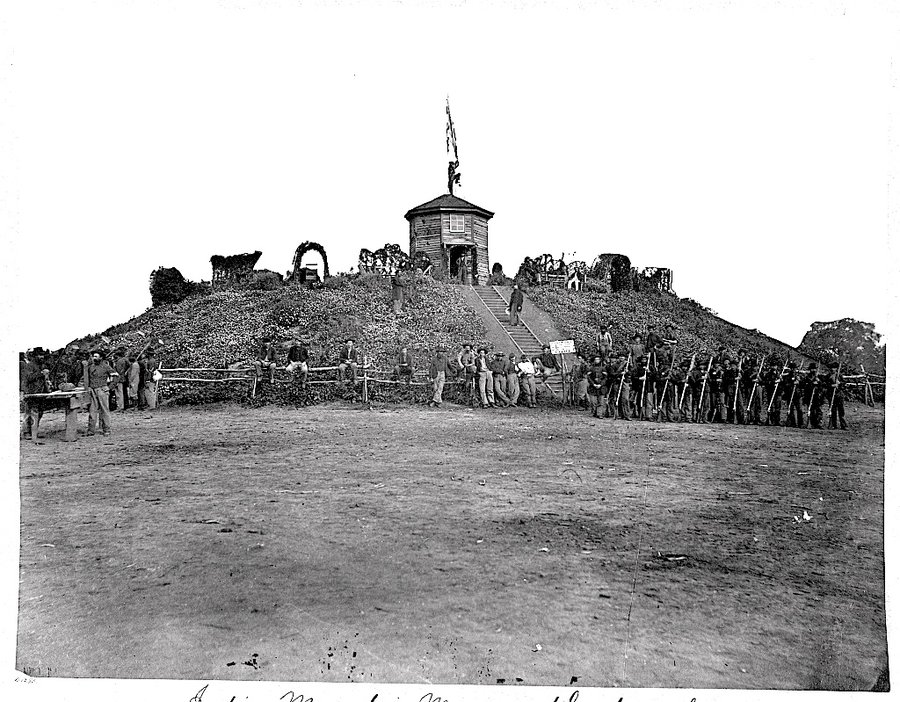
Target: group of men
[(129, 381), (645, 383)]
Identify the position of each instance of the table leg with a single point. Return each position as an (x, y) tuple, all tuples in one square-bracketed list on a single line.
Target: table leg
[(71, 424), (35, 421)]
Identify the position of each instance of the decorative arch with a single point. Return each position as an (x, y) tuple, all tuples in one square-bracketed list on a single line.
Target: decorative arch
[(305, 248)]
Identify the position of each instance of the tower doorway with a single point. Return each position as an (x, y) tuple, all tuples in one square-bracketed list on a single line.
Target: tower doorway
[(463, 264)]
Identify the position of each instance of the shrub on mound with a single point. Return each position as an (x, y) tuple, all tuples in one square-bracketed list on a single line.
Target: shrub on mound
[(580, 314), (224, 328)]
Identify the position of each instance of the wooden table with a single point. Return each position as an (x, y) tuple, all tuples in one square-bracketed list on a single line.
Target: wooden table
[(70, 401)]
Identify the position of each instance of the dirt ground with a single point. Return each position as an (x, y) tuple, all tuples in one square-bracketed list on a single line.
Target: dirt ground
[(454, 546)]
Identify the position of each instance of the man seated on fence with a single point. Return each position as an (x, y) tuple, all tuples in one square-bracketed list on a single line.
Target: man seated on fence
[(440, 365), (349, 357), (265, 358), (298, 360), (404, 368), (526, 377), (548, 363)]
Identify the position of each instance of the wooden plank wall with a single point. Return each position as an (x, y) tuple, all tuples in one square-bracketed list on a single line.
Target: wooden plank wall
[(480, 230), (425, 231)]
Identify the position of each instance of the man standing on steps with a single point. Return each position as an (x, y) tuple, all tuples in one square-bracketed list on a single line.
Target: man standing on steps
[(516, 300)]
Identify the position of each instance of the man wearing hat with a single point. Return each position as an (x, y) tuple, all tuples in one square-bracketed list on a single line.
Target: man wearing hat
[(581, 383), (485, 379), (594, 377), (298, 361), (97, 375), (516, 300), (440, 364)]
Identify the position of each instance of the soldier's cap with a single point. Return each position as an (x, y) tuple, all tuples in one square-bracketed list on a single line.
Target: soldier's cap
[(467, 346), (833, 364), (545, 346), (603, 326), (812, 365), (512, 355)]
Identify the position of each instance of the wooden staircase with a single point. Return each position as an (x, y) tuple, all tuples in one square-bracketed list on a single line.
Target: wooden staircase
[(523, 338)]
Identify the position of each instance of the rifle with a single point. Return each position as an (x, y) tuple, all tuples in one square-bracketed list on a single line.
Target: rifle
[(737, 387), (794, 384), (868, 386), (644, 385), (775, 391), (684, 390), (705, 378), (621, 383), (812, 398), (837, 382), (756, 382)]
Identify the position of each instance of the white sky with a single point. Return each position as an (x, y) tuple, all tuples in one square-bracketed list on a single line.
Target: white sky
[(736, 145)]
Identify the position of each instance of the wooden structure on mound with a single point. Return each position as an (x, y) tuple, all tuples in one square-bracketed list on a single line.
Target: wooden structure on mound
[(454, 235)]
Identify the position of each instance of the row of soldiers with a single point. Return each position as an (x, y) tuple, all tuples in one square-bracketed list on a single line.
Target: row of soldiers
[(646, 384), (126, 379)]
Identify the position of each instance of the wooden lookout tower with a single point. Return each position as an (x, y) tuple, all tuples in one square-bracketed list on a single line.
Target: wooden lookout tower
[(454, 234)]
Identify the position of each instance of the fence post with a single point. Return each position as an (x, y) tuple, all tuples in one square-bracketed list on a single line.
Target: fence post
[(365, 379)]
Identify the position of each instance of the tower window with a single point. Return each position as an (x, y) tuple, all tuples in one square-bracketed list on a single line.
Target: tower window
[(457, 224)]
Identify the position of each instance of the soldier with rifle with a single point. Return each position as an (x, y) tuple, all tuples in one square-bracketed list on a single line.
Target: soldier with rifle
[(833, 381), (793, 379), (731, 380), (622, 407), (757, 401), (810, 385), (771, 381), (685, 386), (716, 383), (596, 384)]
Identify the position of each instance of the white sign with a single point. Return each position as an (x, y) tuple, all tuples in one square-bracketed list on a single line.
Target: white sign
[(558, 347)]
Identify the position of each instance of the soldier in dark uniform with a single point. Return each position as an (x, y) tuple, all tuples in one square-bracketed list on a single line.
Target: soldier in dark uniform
[(667, 392), (694, 382), (731, 379), (620, 388), (716, 384), (813, 394), (596, 383), (833, 387), (754, 388), (793, 388), (580, 382), (774, 389)]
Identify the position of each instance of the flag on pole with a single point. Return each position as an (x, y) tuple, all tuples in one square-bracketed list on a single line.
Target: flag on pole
[(451, 133)]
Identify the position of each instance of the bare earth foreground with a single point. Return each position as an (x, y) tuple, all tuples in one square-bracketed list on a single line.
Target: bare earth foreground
[(451, 546)]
